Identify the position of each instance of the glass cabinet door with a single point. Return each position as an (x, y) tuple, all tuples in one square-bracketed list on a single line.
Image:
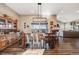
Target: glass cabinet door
[(2, 24)]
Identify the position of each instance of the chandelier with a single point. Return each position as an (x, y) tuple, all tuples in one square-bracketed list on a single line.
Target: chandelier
[(39, 12)]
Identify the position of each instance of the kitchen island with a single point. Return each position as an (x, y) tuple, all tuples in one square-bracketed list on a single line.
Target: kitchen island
[(71, 34)]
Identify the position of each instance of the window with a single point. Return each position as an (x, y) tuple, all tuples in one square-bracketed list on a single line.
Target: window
[(40, 26), (35, 26), (43, 25), (65, 26)]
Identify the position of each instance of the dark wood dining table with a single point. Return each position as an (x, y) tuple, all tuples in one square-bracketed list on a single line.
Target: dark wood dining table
[(52, 39)]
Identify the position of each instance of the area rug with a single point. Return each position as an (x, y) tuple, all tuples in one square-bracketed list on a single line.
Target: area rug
[(34, 52)]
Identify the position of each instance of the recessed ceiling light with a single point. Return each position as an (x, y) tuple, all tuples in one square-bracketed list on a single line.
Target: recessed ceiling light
[(62, 11), (77, 11)]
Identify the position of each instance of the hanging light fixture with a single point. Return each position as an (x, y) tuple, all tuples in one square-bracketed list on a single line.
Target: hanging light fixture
[(39, 12), (39, 16)]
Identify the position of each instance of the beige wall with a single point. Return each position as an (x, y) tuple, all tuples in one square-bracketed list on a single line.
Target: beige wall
[(54, 19), (6, 10), (29, 19)]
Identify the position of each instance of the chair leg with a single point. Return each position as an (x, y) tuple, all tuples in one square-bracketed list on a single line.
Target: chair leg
[(42, 43), (46, 46)]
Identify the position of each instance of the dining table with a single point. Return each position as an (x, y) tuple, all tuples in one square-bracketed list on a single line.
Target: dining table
[(52, 39)]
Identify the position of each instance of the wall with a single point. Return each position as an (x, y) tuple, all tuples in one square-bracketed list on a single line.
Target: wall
[(54, 19), (6, 10), (29, 19)]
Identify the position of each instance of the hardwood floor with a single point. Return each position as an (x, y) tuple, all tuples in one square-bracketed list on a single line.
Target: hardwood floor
[(12, 51), (69, 46)]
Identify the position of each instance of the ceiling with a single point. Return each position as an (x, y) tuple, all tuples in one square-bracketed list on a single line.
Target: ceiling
[(64, 11)]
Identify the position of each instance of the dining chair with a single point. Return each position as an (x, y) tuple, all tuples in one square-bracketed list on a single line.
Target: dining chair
[(29, 40)]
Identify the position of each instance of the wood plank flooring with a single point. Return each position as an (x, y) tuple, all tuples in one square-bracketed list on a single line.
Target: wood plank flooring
[(69, 46)]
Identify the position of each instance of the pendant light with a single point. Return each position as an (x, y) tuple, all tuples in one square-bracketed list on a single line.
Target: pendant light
[(39, 12)]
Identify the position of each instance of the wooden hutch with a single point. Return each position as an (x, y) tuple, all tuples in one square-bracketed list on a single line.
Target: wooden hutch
[(7, 24)]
